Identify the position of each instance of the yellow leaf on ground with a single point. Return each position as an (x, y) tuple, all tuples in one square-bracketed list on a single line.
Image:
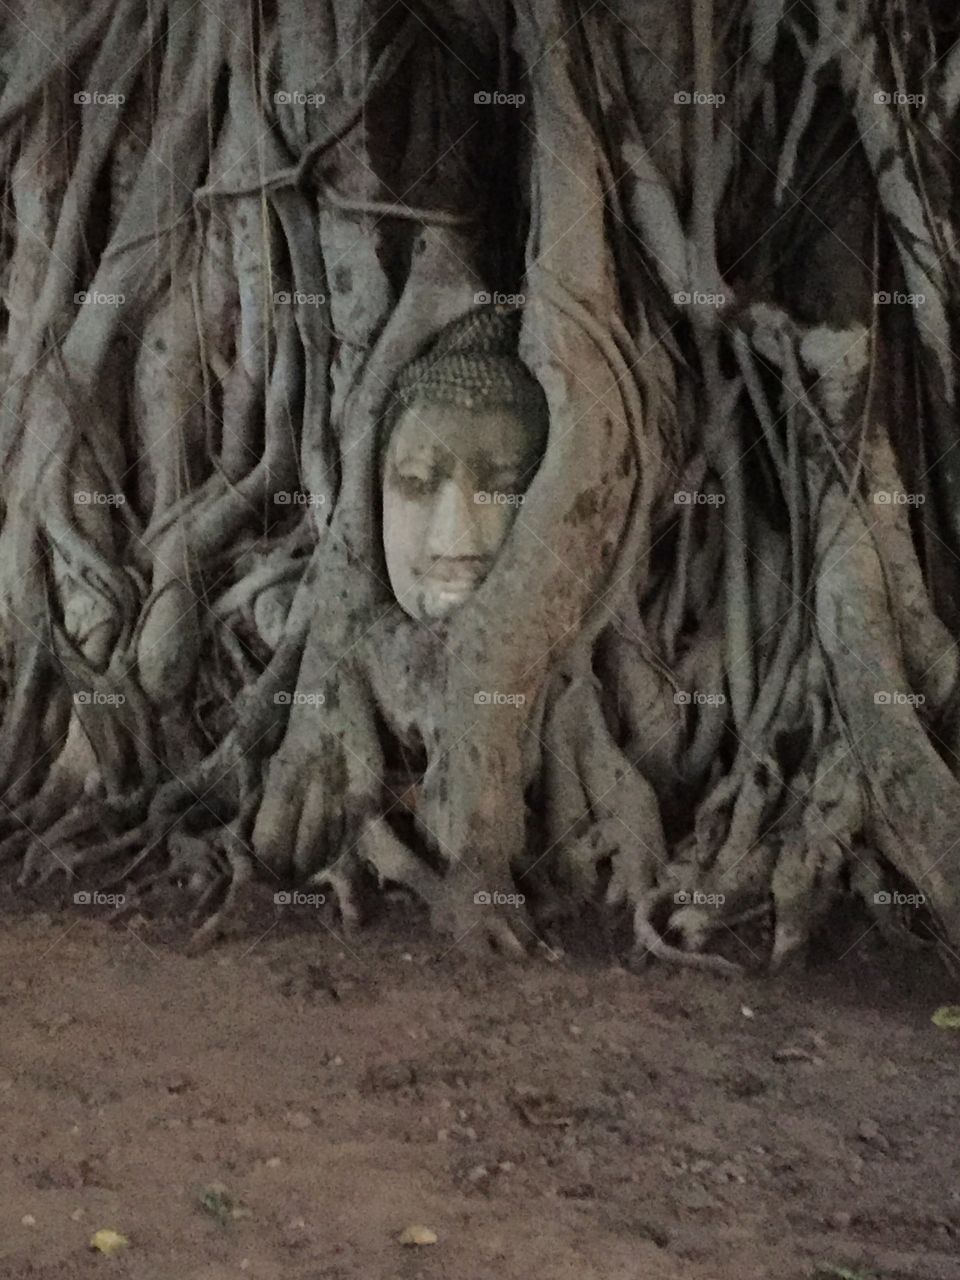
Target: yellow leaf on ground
[(417, 1235), (108, 1242), (948, 1016)]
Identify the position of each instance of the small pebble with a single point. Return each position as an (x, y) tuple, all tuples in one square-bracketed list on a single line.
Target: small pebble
[(273, 1162), (28, 1220)]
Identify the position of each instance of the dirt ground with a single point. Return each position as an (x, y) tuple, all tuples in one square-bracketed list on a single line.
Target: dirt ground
[(285, 1105)]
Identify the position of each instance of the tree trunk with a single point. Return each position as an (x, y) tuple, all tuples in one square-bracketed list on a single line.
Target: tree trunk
[(711, 682)]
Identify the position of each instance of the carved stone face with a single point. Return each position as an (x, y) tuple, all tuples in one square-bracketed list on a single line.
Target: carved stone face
[(452, 479)]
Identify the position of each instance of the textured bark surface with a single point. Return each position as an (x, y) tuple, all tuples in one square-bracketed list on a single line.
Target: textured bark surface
[(711, 682)]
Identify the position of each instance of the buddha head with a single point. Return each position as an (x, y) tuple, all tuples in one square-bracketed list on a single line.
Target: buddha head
[(469, 427)]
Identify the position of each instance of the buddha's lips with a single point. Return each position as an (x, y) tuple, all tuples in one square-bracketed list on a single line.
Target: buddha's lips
[(455, 574)]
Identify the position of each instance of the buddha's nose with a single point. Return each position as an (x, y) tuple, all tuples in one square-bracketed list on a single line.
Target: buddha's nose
[(453, 528)]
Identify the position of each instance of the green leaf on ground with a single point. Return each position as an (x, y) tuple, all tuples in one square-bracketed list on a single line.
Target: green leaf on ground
[(217, 1202)]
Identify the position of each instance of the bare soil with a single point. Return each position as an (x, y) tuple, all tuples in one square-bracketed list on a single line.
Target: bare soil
[(285, 1105)]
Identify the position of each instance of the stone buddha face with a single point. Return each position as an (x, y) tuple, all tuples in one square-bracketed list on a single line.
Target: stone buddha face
[(453, 479)]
